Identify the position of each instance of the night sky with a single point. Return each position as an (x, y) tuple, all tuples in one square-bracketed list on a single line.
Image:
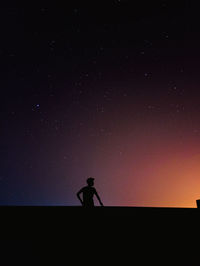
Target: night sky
[(109, 89)]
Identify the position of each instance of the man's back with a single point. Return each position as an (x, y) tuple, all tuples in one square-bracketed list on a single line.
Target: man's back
[(88, 193)]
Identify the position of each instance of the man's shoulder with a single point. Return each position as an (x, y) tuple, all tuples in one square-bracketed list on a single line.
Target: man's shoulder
[(89, 188)]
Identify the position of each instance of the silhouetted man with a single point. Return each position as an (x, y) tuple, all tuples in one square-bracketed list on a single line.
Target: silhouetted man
[(88, 192)]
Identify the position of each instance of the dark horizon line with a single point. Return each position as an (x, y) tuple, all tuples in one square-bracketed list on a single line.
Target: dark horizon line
[(101, 207)]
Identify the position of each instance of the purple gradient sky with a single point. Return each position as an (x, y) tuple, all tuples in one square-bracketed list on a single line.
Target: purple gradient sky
[(109, 90)]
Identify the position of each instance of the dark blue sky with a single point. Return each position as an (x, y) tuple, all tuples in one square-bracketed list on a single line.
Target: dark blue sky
[(97, 88)]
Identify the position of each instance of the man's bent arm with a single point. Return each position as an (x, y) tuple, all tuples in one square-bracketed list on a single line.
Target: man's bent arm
[(78, 196)]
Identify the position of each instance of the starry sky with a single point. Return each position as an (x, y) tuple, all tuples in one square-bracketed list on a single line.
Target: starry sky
[(108, 89)]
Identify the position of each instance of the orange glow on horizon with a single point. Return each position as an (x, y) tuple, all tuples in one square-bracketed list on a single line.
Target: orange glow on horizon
[(173, 183)]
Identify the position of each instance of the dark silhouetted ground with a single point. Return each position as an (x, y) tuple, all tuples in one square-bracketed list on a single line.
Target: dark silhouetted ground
[(101, 235)]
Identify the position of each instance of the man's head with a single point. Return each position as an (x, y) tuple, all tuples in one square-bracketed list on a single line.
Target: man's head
[(90, 181)]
